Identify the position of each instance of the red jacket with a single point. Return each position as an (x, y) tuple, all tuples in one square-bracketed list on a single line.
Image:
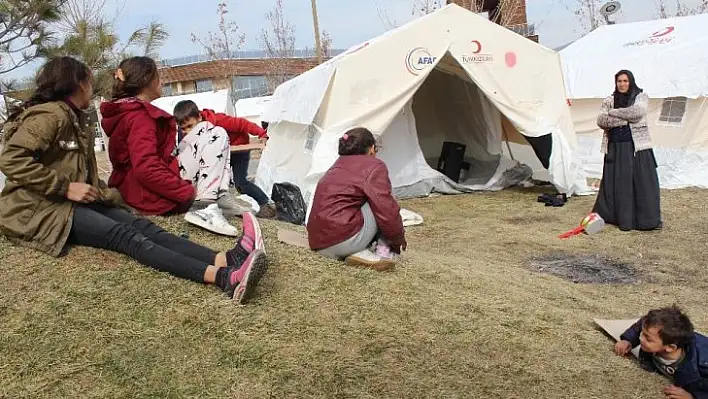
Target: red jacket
[(351, 182), (141, 145), (238, 129)]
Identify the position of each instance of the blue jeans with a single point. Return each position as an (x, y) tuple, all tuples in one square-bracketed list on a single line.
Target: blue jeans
[(239, 166)]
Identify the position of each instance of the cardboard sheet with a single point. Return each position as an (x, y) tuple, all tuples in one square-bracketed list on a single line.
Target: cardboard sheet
[(294, 238), (615, 328)]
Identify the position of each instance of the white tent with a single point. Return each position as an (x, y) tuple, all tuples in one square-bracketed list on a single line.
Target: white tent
[(451, 75), (252, 108), (219, 101), (669, 59)]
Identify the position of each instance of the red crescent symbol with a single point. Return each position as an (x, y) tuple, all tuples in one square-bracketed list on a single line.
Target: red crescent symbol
[(663, 32), (479, 46)]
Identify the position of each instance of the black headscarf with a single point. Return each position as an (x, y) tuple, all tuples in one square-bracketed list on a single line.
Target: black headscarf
[(624, 100)]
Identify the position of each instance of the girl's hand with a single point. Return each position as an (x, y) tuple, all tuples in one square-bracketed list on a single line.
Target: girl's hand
[(82, 193)]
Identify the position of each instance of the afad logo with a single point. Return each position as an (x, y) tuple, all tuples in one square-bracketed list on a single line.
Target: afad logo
[(662, 36), (477, 55), (418, 60)]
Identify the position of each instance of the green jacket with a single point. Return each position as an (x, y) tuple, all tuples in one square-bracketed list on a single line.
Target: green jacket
[(44, 150)]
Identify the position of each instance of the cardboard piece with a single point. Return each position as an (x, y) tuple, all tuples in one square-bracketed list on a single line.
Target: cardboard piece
[(247, 147), (294, 238), (615, 328)]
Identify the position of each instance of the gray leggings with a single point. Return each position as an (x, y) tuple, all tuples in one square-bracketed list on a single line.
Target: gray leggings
[(359, 242)]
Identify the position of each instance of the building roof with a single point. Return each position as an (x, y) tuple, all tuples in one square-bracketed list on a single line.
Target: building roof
[(226, 68)]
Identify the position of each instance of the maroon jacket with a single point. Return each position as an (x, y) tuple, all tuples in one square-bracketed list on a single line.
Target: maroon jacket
[(336, 209), (142, 139)]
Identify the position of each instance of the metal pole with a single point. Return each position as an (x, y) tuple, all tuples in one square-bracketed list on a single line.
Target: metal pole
[(318, 42)]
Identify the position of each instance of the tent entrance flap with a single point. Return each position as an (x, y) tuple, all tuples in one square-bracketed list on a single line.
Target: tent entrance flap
[(448, 107)]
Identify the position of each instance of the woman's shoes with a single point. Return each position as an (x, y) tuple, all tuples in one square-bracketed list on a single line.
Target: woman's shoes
[(370, 260)]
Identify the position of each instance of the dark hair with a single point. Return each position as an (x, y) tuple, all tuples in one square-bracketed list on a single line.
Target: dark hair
[(56, 80), (185, 110), (137, 74), (630, 76), (356, 141), (675, 328)]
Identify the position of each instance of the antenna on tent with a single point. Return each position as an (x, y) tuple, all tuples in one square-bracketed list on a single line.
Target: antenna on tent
[(609, 9)]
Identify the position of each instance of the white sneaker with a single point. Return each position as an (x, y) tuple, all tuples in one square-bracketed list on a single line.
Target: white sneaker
[(232, 206), (370, 260), (211, 218)]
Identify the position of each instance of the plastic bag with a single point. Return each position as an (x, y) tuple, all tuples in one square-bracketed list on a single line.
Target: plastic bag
[(289, 205)]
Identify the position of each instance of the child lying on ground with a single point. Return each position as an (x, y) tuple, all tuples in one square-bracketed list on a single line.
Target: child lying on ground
[(353, 206), (238, 130), (671, 347)]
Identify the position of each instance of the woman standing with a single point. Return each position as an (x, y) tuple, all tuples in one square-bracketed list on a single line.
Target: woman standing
[(54, 197), (629, 194)]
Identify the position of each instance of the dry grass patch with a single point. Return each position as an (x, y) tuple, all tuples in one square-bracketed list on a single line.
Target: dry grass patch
[(462, 316)]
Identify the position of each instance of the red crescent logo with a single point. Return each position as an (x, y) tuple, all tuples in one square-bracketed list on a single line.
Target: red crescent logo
[(479, 46), (663, 32)]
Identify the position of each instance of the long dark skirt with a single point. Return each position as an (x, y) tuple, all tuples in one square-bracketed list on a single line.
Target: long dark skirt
[(629, 193)]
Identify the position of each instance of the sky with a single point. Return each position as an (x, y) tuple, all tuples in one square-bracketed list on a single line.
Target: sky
[(348, 22)]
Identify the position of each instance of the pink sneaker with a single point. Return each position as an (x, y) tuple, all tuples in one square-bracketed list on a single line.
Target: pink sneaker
[(383, 251), (252, 238), (243, 281)]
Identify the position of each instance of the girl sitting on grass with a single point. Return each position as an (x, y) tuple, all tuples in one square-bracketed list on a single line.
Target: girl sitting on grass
[(54, 198), (354, 205)]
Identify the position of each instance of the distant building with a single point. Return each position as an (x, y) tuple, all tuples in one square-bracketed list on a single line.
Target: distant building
[(514, 18), (245, 73)]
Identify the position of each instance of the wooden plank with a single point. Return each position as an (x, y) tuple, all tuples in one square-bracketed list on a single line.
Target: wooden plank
[(294, 238), (247, 147)]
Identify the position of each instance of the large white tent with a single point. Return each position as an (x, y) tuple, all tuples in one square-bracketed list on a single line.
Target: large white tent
[(451, 75), (219, 101), (669, 59), (252, 108)]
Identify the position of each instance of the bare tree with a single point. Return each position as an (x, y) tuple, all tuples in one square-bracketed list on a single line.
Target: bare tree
[(505, 13), (222, 44), (326, 42), (278, 42), (680, 9), (91, 37), (24, 31), (386, 19), (588, 13), (424, 7)]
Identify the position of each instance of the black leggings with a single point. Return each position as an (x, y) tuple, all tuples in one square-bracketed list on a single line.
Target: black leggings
[(98, 226)]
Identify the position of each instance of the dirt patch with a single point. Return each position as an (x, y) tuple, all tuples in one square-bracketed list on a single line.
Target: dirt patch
[(527, 219), (585, 269)]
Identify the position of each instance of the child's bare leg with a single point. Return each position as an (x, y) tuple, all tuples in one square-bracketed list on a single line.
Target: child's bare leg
[(220, 260), (210, 274)]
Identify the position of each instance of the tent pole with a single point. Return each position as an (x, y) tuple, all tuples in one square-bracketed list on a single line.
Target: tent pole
[(508, 146)]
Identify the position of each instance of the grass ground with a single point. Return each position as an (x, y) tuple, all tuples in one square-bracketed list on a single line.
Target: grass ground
[(461, 317)]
